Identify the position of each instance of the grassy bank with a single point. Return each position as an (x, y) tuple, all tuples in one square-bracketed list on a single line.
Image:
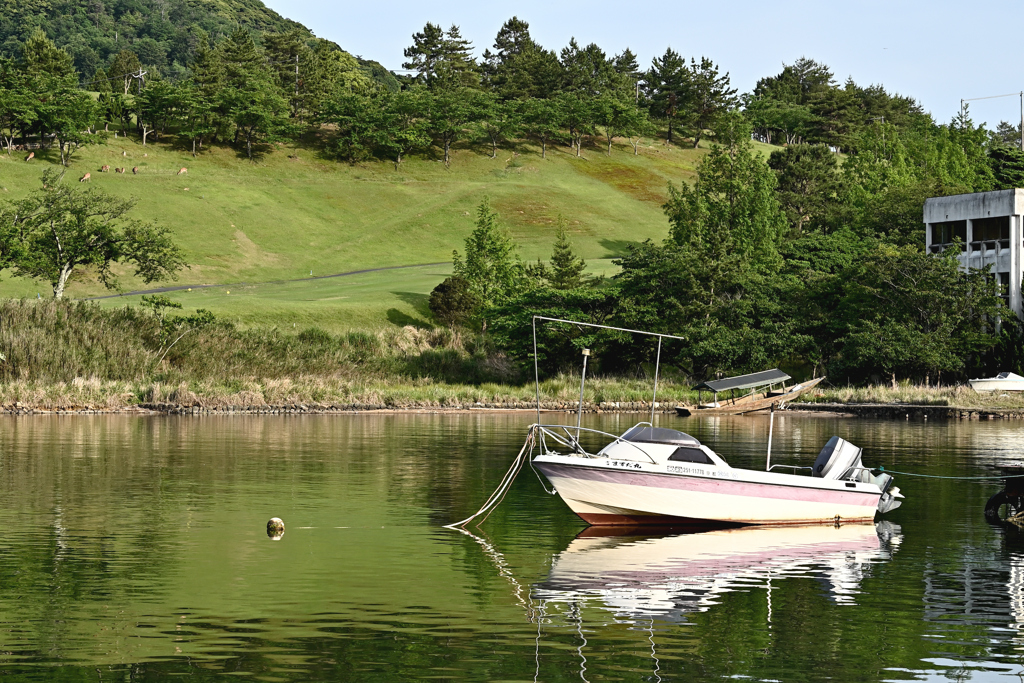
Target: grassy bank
[(331, 391), (78, 354), (65, 354), (960, 395)]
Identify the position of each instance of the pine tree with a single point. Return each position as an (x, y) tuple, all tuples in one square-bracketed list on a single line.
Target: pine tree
[(567, 268), (492, 266), (100, 82), (665, 84), (207, 71), (40, 57), (425, 52), (708, 97), (442, 60)]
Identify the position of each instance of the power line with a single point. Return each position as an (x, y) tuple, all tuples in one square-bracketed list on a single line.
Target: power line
[(990, 97), (994, 97)]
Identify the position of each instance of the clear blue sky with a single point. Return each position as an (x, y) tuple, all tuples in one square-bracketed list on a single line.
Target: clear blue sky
[(936, 52)]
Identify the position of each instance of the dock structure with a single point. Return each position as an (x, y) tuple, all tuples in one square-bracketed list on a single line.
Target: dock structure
[(986, 227)]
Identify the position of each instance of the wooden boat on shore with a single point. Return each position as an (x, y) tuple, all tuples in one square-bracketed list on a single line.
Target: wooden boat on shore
[(763, 394)]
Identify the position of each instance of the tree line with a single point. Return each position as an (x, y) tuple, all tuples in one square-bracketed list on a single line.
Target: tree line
[(252, 87), (812, 256), (797, 260)]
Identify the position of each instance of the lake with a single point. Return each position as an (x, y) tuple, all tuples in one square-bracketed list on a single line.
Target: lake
[(134, 548)]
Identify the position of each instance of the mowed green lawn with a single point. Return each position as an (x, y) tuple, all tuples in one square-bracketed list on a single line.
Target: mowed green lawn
[(293, 213)]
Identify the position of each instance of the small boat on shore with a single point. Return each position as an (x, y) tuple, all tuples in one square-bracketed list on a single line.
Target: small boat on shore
[(762, 396), (1004, 381)]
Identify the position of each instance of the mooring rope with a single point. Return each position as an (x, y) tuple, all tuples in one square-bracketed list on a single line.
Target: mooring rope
[(506, 483), (939, 476)]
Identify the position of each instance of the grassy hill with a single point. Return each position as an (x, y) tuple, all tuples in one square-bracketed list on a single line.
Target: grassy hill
[(294, 214)]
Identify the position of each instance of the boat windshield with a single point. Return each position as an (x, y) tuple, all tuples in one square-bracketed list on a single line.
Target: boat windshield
[(645, 434)]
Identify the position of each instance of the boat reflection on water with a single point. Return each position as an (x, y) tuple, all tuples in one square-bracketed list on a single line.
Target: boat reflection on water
[(640, 576)]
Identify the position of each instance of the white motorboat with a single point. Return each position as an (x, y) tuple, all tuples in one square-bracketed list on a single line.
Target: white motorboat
[(656, 476), (1004, 381)]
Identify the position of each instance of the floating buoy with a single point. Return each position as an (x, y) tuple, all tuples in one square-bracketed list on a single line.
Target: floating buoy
[(275, 529)]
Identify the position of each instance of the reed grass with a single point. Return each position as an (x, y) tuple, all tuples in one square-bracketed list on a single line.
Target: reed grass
[(73, 354), (960, 395), (64, 354)]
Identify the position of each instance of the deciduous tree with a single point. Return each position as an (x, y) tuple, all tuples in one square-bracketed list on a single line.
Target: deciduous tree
[(58, 230)]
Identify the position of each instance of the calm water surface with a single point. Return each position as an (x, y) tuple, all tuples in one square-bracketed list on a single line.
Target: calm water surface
[(134, 549)]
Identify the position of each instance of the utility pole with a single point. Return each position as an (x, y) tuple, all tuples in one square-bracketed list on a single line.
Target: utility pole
[(141, 78), (1019, 94)]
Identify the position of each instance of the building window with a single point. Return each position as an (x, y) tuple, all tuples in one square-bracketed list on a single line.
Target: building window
[(1002, 280), (991, 233), (946, 234)]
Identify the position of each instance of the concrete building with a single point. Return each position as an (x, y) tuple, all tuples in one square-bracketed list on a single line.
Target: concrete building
[(987, 226)]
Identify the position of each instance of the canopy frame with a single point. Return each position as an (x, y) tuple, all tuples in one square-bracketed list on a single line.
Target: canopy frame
[(536, 364)]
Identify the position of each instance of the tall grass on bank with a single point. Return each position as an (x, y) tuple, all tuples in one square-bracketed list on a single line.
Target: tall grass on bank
[(379, 392), (63, 341), (915, 394), (61, 354), (65, 353)]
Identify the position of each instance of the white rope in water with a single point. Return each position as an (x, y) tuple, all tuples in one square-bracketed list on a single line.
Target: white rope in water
[(504, 486)]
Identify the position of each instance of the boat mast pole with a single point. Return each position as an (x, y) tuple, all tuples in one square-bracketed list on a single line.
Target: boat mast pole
[(536, 372), (583, 378), (771, 425), (657, 367)]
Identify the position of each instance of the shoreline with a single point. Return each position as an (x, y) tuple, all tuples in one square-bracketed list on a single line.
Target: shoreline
[(888, 411)]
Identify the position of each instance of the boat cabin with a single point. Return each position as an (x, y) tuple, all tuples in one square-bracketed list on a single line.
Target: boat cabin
[(660, 446)]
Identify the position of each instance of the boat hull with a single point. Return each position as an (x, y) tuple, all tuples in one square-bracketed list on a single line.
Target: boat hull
[(619, 497), (991, 385)]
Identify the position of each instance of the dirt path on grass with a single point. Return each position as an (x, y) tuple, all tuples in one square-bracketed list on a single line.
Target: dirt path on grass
[(179, 288)]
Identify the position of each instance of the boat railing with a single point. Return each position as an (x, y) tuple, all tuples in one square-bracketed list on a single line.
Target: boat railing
[(572, 442), (791, 467)]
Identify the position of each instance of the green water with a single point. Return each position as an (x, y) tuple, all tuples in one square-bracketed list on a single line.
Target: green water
[(134, 549)]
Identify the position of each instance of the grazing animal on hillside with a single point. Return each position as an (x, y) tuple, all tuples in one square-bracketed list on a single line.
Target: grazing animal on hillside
[(124, 153), (119, 170), (135, 170), (183, 171), (86, 178), (104, 168), (31, 156)]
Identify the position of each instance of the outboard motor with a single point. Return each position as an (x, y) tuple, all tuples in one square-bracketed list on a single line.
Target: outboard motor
[(836, 459), (840, 459)]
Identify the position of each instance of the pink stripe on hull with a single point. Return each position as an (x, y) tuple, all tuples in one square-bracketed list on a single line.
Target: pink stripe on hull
[(727, 487)]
